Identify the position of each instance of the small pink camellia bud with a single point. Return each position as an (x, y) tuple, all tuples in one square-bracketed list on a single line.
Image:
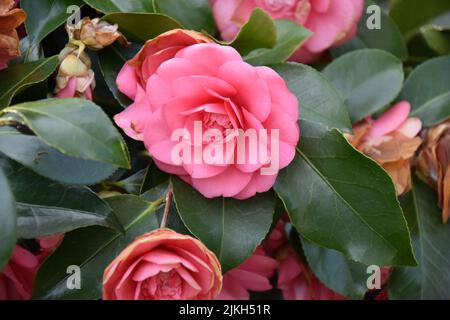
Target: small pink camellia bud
[(10, 19), (433, 164), (75, 77), (95, 34)]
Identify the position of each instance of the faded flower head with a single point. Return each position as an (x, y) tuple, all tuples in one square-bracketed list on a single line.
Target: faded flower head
[(391, 140), (433, 164), (75, 77), (10, 19), (95, 34)]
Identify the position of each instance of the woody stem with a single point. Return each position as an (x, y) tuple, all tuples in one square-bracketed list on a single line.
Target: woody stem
[(166, 209)]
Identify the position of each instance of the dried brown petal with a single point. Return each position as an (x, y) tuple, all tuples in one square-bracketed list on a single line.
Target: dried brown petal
[(433, 164), (9, 40), (95, 34), (393, 152)]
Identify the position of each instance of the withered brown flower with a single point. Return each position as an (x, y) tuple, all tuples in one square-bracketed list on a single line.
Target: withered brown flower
[(95, 34), (10, 19), (391, 141), (433, 164)]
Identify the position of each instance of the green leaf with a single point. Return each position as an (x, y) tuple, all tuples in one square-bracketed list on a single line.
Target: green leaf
[(112, 6), (290, 36), (411, 14), (232, 229), (342, 200), (8, 224), (319, 101), (388, 38), (336, 272), (93, 249), (75, 127), (111, 60), (34, 154), (367, 79), (193, 14), (431, 239), (131, 24), (45, 208), (258, 32), (45, 16), (428, 90), (134, 183), (19, 77), (430, 41)]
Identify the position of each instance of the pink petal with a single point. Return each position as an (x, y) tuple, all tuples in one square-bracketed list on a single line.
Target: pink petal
[(127, 81), (390, 121), (70, 89)]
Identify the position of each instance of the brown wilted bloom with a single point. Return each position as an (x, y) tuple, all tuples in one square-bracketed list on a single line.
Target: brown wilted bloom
[(95, 34), (433, 164), (75, 77), (10, 19), (391, 141)]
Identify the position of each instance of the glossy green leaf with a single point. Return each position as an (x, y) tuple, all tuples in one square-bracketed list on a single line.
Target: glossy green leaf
[(193, 14), (134, 184), (19, 77), (8, 221), (93, 249), (411, 14), (430, 41), (112, 6), (319, 101), (33, 153), (429, 280), (290, 36), (45, 207), (75, 127), (388, 37), (335, 271), (340, 199), (131, 24), (428, 90), (258, 32), (111, 60), (45, 16), (224, 224), (361, 76)]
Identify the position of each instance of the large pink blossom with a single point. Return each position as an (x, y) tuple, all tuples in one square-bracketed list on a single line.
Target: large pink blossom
[(332, 21), (176, 85), (253, 275)]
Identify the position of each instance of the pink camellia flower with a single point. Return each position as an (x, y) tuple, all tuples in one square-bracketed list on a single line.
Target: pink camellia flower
[(391, 140), (277, 238), (252, 275), (163, 265), (207, 87), (16, 280), (332, 22), (48, 245), (298, 282)]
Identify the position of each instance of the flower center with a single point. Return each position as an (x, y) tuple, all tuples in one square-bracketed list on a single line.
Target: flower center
[(165, 285), (216, 121)]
